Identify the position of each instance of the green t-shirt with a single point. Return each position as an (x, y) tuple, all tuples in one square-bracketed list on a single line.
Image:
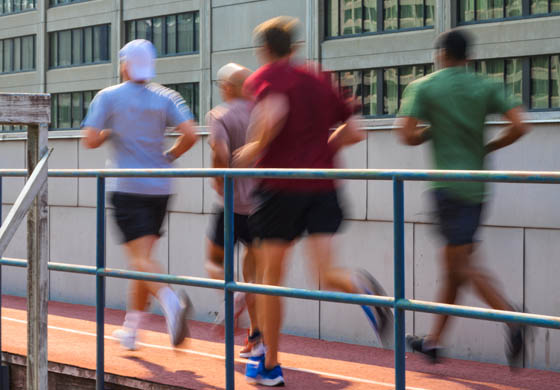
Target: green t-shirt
[(455, 103)]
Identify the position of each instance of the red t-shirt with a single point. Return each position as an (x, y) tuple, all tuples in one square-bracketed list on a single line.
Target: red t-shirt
[(314, 108)]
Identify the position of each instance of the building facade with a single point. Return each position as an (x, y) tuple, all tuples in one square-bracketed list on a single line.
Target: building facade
[(374, 48)]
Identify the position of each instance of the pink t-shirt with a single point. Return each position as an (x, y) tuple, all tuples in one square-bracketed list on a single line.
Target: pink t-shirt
[(229, 122)]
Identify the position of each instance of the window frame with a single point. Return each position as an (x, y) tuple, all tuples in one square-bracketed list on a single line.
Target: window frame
[(50, 5), (196, 34), (82, 47), (2, 13), (380, 21), (380, 87), (525, 14), (12, 42)]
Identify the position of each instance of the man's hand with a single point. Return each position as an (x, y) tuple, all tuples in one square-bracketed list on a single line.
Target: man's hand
[(347, 134), (511, 133), (185, 141), (93, 138), (246, 155)]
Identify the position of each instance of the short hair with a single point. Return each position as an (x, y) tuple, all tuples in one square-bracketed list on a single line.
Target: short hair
[(456, 44), (277, 34)]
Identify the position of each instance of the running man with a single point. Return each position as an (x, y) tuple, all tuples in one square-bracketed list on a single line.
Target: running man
[(295, 110), (455, 103), (133, 117), (228, 130)]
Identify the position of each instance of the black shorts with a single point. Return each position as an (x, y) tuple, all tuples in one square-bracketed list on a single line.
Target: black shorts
[(285, 216), (139, 215), (459, 220), (240, 229)]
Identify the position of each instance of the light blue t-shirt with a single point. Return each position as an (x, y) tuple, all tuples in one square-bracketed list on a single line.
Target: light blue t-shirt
[(138, 115)]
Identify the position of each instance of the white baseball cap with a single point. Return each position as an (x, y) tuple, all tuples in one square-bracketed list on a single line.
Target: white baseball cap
[(140, 57)]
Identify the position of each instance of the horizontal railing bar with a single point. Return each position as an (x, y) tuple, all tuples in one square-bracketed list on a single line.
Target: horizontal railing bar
[(321, 174), (330, 296), (479, 313)]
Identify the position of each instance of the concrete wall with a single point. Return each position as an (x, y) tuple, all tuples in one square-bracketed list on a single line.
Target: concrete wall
[(519, 241)]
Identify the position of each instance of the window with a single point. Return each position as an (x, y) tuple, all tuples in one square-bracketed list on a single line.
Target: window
[(171, 35), (53, 3), (378, 91), (68, 110), (351, 17), (17, 54), (534, 80), (472, 11), (13, 6), (80, 46), (189, 92)]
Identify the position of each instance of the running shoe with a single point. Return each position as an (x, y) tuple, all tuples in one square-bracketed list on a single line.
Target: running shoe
[(239, 304), (419, 344), (252, 341), (380, 317), (176, 320), (270, 378), (127, 338), (252, 367)]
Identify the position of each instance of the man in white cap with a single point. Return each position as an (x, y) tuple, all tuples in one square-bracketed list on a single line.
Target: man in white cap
[(228, 130), (133, 116)]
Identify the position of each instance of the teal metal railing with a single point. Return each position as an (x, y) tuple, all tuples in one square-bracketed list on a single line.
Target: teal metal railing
[(399, 303)]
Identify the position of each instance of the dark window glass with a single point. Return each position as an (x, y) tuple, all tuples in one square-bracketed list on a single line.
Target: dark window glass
[(8, 55), (370, 15), (467, 11), (351, 16), (370, 92), (8, 6), (17, 54), (539, 82), (77, 46), (391, 91), (514, 8), (555, 6), (490, 9), (331, 10), (53, 50), (144, 29), (76, 109), (64, 109), (88, 45), (411, 13), (493, 68), (130, 31), (171, 47), (158, 37), (189, 92), (390, 14), (539, 7), (87, 98), (185, 33), (430, 12), (1, 56), (61, 2), (555, 81), (514, 77), (54, 111), (17, 5), (100, 43), (64, 48), (28, 53), (351, 87)]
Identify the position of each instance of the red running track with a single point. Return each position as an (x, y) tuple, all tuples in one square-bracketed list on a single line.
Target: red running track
[(199, 363)]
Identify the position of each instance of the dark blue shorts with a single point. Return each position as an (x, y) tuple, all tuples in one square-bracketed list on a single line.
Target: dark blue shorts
[(240, 228), (458, 219)]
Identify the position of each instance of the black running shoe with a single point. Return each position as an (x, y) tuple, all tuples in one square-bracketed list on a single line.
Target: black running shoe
[(418, 344), (515, 344)]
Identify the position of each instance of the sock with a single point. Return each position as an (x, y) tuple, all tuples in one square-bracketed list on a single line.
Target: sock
[(169, 301), (132, 320)]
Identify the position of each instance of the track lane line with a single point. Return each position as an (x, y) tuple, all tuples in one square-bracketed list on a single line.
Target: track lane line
[(220, 357)]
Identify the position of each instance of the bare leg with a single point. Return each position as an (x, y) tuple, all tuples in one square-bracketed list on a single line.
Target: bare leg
[(215, 262), (319, 247), (270, 307), (250, 276), (140, 258)]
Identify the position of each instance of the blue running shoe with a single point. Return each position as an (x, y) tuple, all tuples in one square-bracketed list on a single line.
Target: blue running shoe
[(380, 317), (252, 367), (270, 378)]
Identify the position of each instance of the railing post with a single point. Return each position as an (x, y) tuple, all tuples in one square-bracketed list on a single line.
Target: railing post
[(37, 268), (100, 285), (228, 277), (4, 371), (398, 215)]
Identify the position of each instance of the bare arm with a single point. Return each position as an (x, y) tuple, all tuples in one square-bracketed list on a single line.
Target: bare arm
[(267, 120), (345, 135), (184, 142), (93, 138), (510, 134), (220, 159), (409, 132)]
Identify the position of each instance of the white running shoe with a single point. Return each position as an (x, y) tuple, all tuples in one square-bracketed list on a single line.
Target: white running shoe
[(239, 305), (127, 338)]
